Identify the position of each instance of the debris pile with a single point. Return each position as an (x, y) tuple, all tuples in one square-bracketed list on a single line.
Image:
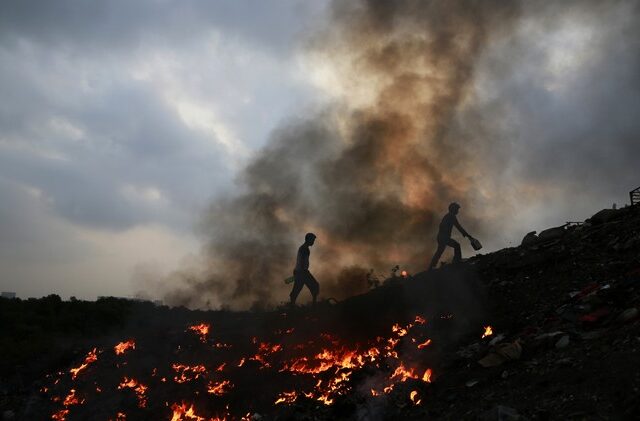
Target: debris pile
[(567, 329)]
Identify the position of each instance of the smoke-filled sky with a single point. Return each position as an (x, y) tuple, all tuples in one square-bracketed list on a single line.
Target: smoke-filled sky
[(181, 150)]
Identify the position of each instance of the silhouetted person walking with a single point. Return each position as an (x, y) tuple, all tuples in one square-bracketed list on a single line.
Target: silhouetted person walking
[(301, 273), (444, 236)]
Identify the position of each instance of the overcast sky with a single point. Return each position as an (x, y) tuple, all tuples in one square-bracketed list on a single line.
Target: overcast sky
[(120, 121)]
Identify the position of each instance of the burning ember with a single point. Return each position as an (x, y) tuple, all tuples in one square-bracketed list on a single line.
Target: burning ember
[(201, 330), (185, 412), (188, 373), (219, 388), (286, 397), (487, 331), (72, 399), (91, 357), (424, 344), (60, 415), (414, 396), (124, 346), (139, 388)]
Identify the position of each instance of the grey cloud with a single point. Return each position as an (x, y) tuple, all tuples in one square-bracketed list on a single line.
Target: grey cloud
[(24, 234), (71, 61), (274, 26), (583, 137), (128, 138)]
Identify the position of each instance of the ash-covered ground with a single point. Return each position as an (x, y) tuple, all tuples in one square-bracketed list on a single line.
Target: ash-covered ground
[(563, 344)]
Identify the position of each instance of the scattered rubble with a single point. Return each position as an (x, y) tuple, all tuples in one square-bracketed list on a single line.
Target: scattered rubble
[(501, 353)]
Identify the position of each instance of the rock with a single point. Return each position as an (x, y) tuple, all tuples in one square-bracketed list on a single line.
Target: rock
[(501, 413), (605, 215), (595, 316), (594, 334), (627, 315), (469, 351), (548, 335), (471, 383), (552, 233), (563, 342), (530, 239), (496, 339), (502, 353), (629, 243)]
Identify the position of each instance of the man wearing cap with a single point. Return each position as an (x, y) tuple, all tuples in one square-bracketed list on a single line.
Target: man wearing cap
[(444, 236), (301, 273)]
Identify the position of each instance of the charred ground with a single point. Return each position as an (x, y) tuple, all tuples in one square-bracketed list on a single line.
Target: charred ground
[(563, 308)]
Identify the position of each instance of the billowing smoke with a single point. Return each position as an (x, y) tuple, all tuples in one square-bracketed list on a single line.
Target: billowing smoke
[(372, 174)]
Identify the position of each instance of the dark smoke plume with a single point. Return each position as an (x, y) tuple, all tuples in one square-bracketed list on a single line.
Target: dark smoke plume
[(371, 180)]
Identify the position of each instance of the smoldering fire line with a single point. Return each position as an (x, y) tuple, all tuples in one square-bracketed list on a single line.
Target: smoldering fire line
[(370, 182)]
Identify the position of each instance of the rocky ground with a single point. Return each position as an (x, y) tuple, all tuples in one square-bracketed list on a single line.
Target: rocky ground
[(570, 300), (563, 309)]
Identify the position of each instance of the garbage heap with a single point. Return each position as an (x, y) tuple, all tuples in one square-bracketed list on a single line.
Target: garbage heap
[(566, 331)]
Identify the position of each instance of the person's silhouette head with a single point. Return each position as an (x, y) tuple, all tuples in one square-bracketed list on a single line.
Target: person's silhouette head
[(309, 238), (454, 208)]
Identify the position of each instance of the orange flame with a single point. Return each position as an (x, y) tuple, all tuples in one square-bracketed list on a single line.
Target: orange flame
[(124, 346), (72, 399), (219, 388), (185, 412), (414, 397), (137, 387), (286, 397), (397, 329), (424, 344), (403, 373), (201, 330), (91, 357), (61, 415), (488, 331), (186, 373)]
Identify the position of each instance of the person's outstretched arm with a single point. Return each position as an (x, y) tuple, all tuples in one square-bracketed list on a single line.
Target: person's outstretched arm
[(462, 231)]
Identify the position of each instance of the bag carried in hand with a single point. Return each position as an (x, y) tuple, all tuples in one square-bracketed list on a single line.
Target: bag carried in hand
[(475, 244)]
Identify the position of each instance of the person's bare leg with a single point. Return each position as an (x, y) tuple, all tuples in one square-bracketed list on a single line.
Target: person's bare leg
[(298, 283), (314, 287)]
